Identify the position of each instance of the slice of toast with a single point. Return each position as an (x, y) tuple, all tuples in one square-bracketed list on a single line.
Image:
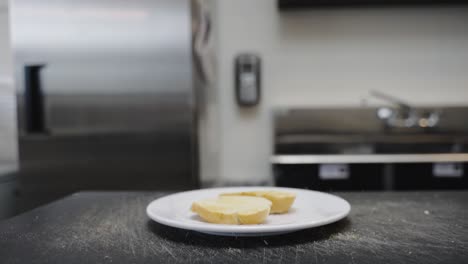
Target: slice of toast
[(233, 210), (281, 201)]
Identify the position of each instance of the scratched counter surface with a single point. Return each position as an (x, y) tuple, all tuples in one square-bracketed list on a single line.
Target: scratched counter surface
[(112, 227)]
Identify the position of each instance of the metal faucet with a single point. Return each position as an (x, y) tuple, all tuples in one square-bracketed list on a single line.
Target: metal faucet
[(405, 116)]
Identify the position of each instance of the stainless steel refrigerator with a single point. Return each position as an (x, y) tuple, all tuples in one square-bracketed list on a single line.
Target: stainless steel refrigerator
[(105, 95)]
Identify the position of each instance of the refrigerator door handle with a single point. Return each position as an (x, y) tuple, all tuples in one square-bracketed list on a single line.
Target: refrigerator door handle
[(34, 99)]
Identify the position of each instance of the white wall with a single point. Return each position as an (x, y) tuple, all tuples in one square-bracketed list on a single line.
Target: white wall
[(8, 147), (5, 57), (8, 139), (331, 57), (207, 93)]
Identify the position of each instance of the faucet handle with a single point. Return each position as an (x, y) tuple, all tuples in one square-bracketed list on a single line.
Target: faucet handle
[(406, 116), (431, 119)]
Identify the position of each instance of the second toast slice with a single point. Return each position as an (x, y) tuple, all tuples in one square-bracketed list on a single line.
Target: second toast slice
[(281, 201)]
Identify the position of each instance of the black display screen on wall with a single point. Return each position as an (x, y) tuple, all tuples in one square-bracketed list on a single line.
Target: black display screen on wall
[(285, 4)]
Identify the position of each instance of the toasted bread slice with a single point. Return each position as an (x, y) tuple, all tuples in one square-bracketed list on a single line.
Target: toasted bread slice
[(281, 201), (233, 210)]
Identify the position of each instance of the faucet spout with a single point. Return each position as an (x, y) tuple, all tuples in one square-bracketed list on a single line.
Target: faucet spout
[(405, 107)]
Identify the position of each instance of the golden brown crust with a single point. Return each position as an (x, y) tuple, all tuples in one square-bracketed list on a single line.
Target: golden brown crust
[(233, 210)]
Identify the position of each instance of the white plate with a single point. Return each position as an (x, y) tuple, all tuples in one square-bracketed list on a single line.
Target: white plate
[(310, 209)]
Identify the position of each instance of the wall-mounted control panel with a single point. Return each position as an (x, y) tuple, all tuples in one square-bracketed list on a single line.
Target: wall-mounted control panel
[(247, 79)]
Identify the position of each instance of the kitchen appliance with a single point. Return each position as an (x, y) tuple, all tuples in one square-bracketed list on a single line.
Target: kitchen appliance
[(354, 149), (105, 96)]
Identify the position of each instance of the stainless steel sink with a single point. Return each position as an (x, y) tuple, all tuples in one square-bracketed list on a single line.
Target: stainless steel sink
[(315, 135)]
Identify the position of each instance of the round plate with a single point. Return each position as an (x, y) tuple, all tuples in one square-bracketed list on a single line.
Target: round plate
[(310, 209)]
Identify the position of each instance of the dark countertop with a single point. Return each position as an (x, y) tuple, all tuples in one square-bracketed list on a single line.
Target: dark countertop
[(112, 227)]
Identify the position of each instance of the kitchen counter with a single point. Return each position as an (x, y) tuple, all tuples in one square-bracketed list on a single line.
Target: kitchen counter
[(112, 227)]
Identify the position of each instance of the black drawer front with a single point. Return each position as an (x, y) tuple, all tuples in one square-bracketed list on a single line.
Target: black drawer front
[(421, 177), (368, 177), (361, 177)]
